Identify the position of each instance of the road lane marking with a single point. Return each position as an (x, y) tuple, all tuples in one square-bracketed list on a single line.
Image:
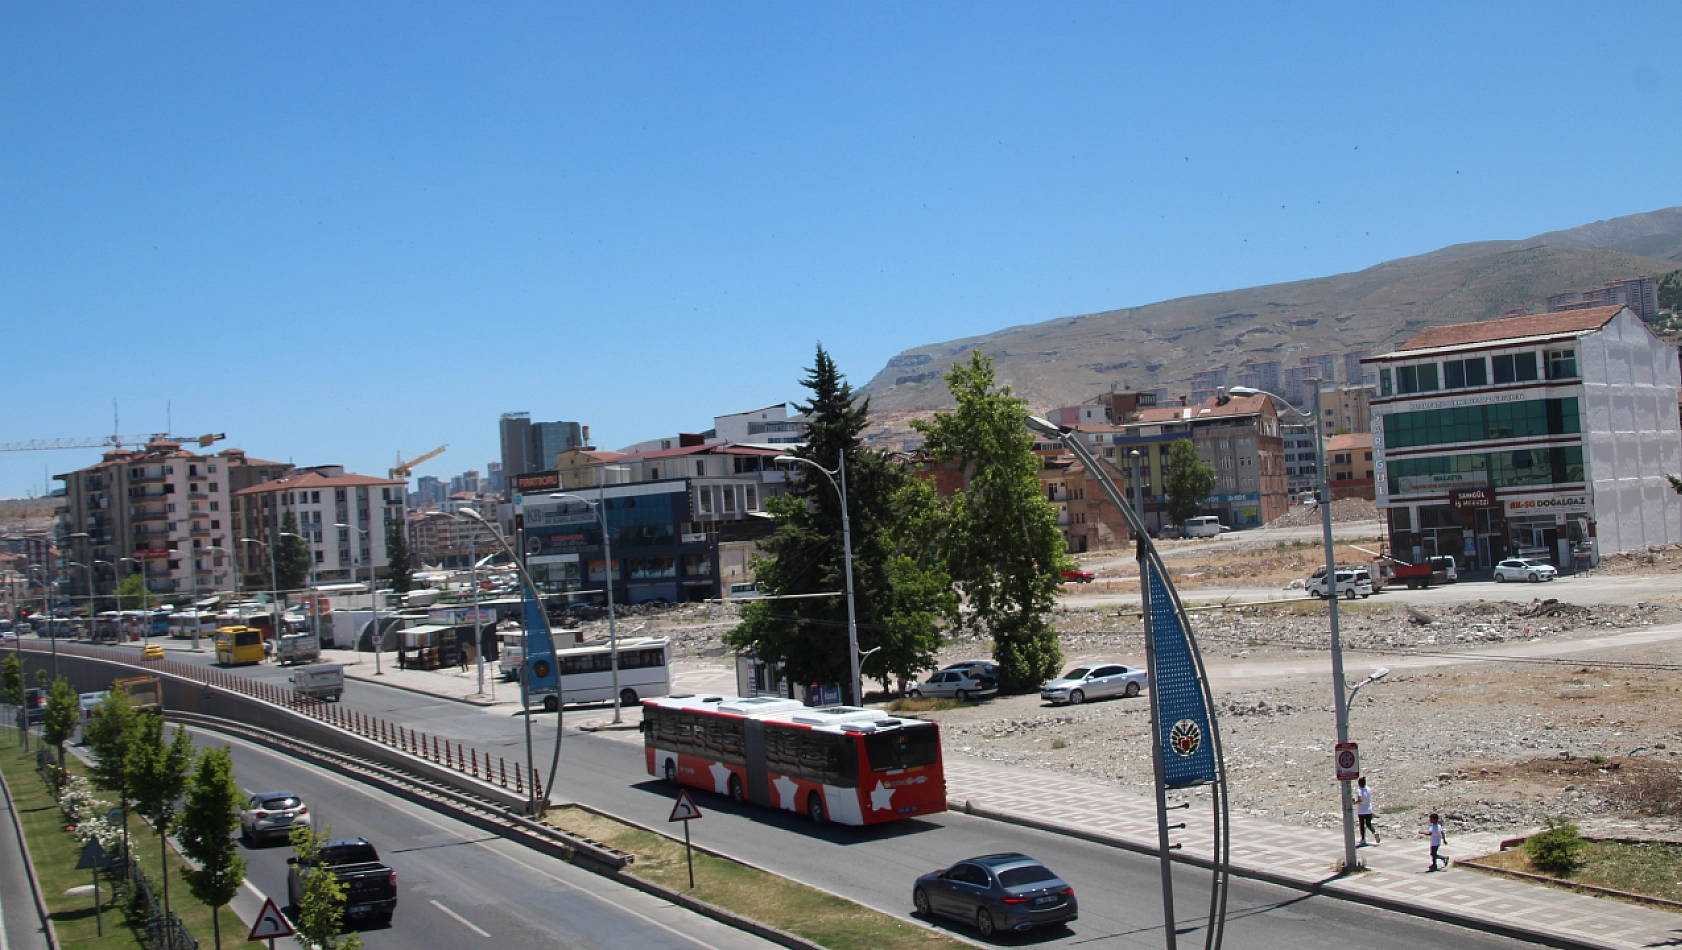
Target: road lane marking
[(421, 814), (460, 919)]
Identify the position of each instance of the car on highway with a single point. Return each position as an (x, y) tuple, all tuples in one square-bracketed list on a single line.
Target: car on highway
[(370, 886), (1350, 585), (271, 815), (1094, 681), (997, 892), (1524, 569), (962, 685), (1079, 576)]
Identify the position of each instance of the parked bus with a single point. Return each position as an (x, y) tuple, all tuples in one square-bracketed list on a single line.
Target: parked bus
[(238, 646), (835, 763), (189, 623), (160, 623), (645, 672)]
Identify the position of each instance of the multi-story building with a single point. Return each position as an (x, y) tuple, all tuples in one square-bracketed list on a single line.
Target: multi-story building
[(1299, 385), (1264, 375), (1346, 408), (1324, 366), (529, 446), (467, 481), (163, 511), (1640, 294), (322, 498), (1533, 433), (439, 538), (1302, 470), (672, 519), (770, 425), (429, 492), (1354, 373), (1349, 470), (493, 476)]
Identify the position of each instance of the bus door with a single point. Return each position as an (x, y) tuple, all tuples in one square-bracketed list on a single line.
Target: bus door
[(753, 744)]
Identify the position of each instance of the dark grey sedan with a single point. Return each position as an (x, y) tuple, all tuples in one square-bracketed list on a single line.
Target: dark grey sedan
[(997, 892)]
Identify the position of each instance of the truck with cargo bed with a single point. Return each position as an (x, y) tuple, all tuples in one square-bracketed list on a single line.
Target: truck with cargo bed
[(370, 885)]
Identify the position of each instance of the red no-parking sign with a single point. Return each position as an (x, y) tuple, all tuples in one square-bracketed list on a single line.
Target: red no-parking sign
[(1348, 759)]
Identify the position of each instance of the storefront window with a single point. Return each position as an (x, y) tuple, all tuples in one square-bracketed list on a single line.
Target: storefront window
[(1512, 469), (1506, 420)]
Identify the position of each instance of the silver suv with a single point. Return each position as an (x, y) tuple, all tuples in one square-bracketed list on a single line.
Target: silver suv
[(271, 815)]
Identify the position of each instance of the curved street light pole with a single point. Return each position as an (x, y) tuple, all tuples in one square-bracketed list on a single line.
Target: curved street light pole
[(840, 487), (274, 589), (1340, 688), (600, 507), (373, 595)]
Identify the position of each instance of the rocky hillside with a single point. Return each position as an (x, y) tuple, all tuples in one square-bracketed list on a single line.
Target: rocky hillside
[(1059, 362)]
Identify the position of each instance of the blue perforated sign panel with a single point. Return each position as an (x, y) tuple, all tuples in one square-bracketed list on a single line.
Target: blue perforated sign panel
[(1188, 757), (541, 674)]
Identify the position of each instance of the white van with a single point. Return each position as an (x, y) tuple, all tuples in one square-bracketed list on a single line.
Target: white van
[(1350, 584), (1204, 526), (746, 591)]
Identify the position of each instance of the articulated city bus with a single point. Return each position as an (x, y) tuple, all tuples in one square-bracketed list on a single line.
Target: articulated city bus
[(188, 623), (843, 764)]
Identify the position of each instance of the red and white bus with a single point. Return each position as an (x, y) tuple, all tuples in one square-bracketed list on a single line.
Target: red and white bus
[(843, 764)]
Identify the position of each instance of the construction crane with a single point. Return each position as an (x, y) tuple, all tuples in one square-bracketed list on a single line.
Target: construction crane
[(113, 441), (402, 469)]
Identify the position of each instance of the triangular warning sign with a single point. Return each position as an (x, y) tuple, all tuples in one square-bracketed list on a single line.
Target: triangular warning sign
[(685, 809), (270, 923), (93, 856)]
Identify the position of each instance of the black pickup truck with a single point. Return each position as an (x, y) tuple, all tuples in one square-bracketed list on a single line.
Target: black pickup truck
[(370, 886)]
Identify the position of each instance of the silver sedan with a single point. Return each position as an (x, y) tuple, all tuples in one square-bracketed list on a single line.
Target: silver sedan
[(1094, 681)]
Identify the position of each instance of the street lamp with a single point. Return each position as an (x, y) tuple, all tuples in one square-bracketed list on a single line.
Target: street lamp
[(373, 602), (274, 589), (847, 555), (600, 506), (1376, 675), (1138, 487), (91, 596), (1339, 686)]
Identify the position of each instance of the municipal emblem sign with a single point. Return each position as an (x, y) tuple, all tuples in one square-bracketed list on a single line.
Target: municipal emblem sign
[(1348, 758), (1185, 738)]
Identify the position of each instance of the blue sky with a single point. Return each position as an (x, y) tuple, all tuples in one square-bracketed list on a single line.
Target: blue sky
[(340, 231)]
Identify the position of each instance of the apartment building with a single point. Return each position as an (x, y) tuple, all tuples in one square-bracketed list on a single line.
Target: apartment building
[(768, 425), (1302, 469), (1640, 294), (1346, 408), (163, 511), (321, 498), (1542, 433), (1349, 466), (438, 538)]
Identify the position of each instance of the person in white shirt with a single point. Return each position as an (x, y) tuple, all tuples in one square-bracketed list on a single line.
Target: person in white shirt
[(1438, 838), (1363, 810)]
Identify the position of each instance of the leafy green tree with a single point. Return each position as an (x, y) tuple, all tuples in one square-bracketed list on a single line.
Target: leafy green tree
[(11, 680), (320, 913), (1675, 483), (111, 731), (1001, 539), (1190, 480), (291, 554), (899, 596), (132, 593), (157, 775), (59, 719), (402, 565), (205, 828), (1557, 849)]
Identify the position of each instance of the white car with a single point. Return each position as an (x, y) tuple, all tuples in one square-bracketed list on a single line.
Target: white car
[(1350, 585), (271, 815), (1094, 681), (962, 685), (1524, 569)]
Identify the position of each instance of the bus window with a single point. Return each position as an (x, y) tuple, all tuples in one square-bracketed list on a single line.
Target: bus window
[(903, 748)]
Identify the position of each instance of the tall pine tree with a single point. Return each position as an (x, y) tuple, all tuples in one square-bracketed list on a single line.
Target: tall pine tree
[(291, 554), (400, 565), (900, 597)]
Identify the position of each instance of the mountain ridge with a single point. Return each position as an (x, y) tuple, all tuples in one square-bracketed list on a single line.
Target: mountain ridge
[(1063, 360)]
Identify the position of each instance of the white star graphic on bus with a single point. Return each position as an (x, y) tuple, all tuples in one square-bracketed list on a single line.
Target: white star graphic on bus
[(786, 788), (882, 799), (721, 777)]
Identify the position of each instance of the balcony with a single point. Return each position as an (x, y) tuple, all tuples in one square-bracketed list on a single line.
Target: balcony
[(140, 517), (147, 479), (199, 532)]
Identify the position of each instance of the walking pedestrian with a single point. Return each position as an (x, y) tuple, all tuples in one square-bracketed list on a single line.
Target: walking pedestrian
[(461, 658), (1438, 837), (1363, 809)]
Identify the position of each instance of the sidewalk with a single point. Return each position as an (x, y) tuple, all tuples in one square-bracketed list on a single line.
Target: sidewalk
[(1304, 858)]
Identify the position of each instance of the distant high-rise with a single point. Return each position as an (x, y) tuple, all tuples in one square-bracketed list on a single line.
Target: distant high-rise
[(1261, 374), (1325, 367), (1353, 372), (1640, 294), (493, 476), (529, 446)]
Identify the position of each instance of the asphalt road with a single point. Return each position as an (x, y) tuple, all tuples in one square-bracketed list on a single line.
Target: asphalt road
[(459, 887), (1118, 890), (1586, 589)]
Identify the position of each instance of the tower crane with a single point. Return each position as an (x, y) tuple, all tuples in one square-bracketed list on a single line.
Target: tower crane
[(113, 441), (402, 468)]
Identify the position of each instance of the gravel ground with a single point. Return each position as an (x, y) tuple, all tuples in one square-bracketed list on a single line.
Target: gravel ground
[(1494, 746)]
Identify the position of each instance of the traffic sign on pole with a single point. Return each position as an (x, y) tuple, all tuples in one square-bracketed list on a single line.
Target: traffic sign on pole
[(685, 809), (271, 923), (1348, 759)]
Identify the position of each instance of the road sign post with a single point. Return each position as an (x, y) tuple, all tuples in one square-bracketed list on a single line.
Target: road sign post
[(684, 810), (1348, 758), (270, 923), (94, 857)]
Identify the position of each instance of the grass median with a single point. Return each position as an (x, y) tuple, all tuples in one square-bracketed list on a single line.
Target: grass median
[(1650, 869), (823, 918), (55, 852)]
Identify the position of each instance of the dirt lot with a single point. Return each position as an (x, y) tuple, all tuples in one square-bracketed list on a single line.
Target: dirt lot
[(1494, 746)]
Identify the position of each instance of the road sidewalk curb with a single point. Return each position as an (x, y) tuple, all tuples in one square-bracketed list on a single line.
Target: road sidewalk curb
[(464, 700), (1328, 887), (29, 864)]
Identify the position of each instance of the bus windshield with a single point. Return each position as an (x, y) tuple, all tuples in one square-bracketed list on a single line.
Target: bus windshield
[(903, 748)]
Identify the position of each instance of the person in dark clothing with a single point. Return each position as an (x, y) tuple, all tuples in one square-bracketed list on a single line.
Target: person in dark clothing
[(461, 657)]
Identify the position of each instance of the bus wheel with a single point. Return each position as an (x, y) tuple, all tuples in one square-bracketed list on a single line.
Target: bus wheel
[(551, 704), (736, 793), (627, 697), (671, 771), (814, 808)]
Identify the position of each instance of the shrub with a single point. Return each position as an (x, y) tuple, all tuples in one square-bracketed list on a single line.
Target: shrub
[(1557, 849)]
